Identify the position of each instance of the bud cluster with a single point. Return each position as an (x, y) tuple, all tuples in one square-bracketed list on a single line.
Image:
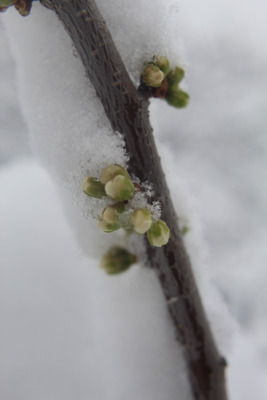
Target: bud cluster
[(22, 6), (158, 80), (115, 183)]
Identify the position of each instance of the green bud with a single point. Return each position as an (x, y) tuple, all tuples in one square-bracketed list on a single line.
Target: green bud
[(6, 3), (177, 98), (111, 171), (162, 63), (106, 227), (117, 260), (152, 75), (159, 234), (23, 12), (175, 76), (120, 188), (92, 187), (23, 7), (141, 220), (184, 230), (111, 213)]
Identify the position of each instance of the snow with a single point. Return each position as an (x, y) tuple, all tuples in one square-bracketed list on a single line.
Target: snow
[(11, 143), (154, 31), (70, 331), (71, 142)]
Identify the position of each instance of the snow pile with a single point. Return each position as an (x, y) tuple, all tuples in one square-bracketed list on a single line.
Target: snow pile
[(149, 27), (13, 132), (68, 330), (69, 131)]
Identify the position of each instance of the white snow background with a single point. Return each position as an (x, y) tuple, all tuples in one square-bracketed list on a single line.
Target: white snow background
[(67, 330)]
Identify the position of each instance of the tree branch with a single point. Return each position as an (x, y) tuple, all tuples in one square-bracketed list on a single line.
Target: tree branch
[(127, 111)]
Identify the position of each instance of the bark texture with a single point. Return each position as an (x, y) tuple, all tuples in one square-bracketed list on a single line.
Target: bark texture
[(127, 111)]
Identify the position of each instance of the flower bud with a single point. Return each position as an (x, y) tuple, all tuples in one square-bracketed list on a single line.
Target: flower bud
[(152, 75), (175, 76), (162, 63), (111, 171), (110, 216), (185, 229), (120, 188), (92, 187), (111, 213), (159, 234), (6, 3), (23, 7), (141, 220), (117, 260), (23, 11), (106, 227), (177, 98)]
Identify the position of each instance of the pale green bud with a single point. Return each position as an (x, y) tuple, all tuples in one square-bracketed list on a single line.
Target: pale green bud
[(92, 187), (117, 260), (111, 171), (110, 216), (6, 3), (106, 227), (111, 213), (141, 220), (177, 98), (159, 234), (152, 75), (162, 63), (175, 76), (120, 188)]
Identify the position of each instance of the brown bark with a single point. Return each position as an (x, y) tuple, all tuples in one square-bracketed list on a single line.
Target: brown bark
[(127, 111)]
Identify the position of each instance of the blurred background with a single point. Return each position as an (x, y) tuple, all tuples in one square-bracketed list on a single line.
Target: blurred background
[(61, 319)]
